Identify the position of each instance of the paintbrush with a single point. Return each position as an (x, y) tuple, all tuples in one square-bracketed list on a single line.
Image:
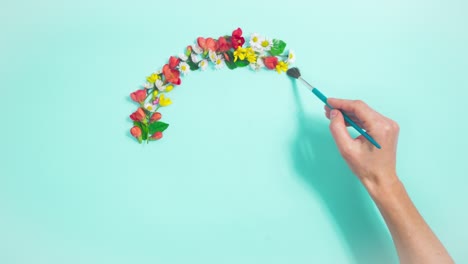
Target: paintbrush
[(296, 74)]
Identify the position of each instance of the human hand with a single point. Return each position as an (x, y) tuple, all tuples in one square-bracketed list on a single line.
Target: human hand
[(375, 168)]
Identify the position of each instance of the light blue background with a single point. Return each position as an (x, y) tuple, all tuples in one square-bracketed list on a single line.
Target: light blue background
[(247, 172)]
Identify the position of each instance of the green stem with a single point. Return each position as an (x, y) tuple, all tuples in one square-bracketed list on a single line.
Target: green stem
[(150, 93)]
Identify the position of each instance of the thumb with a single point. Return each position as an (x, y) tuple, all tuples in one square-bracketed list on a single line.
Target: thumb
[(338, 130)]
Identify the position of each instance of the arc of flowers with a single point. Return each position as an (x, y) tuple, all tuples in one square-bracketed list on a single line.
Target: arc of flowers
[(226, 51)]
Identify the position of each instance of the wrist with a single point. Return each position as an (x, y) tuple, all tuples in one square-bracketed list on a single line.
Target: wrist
[(385, 188)]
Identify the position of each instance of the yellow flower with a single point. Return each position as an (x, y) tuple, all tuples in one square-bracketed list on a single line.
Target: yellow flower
[(155, 93), (281, 66), (251, 56), (164, 101), (240, 53), (243, 53), (169, 88), (152, 78)]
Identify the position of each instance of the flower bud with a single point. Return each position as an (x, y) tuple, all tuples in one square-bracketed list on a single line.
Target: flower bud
[(155, 117), (157, 135), (135, 131)]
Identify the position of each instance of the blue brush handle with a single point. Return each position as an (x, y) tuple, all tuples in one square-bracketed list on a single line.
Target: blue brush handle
[(323, 98)]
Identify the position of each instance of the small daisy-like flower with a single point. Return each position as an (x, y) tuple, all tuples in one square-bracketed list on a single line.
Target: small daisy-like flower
[(257, 65), (184, 68), (212, 55), (197, 49), (160, 85), (291, 57), (148, 85), (255, 40), (203, 64), (183, 57), (150, 107), (219, 62), (195, 58), (266, 44), (281, 66)]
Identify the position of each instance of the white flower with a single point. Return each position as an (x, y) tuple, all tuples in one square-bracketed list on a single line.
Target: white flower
[(212, 56), (291, 57), (150, 107), (203, 64), (266, 44), (195, 58), (183, 57), (219, 62), (255, 40), (259, 49), (160, 86), (184, 68), (197, 49), (148, 85), (257, 65)]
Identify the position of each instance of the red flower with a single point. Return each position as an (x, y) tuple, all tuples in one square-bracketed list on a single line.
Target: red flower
[(173, 62), (201, 42), (139, 115), (138, 96), (236, 39), (211, 44), (135, 131), (271, 62), (155, 117), (157, 135), (223, 45), (237, 32), (171, 75), (207, 44)]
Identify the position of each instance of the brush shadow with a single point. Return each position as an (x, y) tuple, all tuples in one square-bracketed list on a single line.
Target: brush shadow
[(318, 163)]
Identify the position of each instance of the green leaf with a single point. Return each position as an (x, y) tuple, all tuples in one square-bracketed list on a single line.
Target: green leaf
[(230, 64), (242, 63), (136, 123), (144, 131), (193, 66), (278, 47), (157, 127)]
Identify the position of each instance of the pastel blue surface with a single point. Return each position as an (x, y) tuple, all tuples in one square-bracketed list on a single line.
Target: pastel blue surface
[(247, 171)]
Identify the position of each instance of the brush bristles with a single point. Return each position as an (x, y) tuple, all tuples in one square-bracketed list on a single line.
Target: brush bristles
[(294, 72)]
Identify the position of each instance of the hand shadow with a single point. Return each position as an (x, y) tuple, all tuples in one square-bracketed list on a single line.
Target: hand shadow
[(318, 162)]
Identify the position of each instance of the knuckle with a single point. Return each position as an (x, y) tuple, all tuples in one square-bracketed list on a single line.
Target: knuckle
[(395, 126), (387, 127), (391, 126), (359, 103), (346, 151)]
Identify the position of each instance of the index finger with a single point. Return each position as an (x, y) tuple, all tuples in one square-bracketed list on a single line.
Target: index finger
[(357, 107)]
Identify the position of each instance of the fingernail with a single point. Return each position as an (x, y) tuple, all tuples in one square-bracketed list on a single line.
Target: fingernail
[(333, 113)]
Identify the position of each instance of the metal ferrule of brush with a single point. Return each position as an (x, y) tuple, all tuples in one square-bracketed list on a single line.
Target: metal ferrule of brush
[(306, 84)]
